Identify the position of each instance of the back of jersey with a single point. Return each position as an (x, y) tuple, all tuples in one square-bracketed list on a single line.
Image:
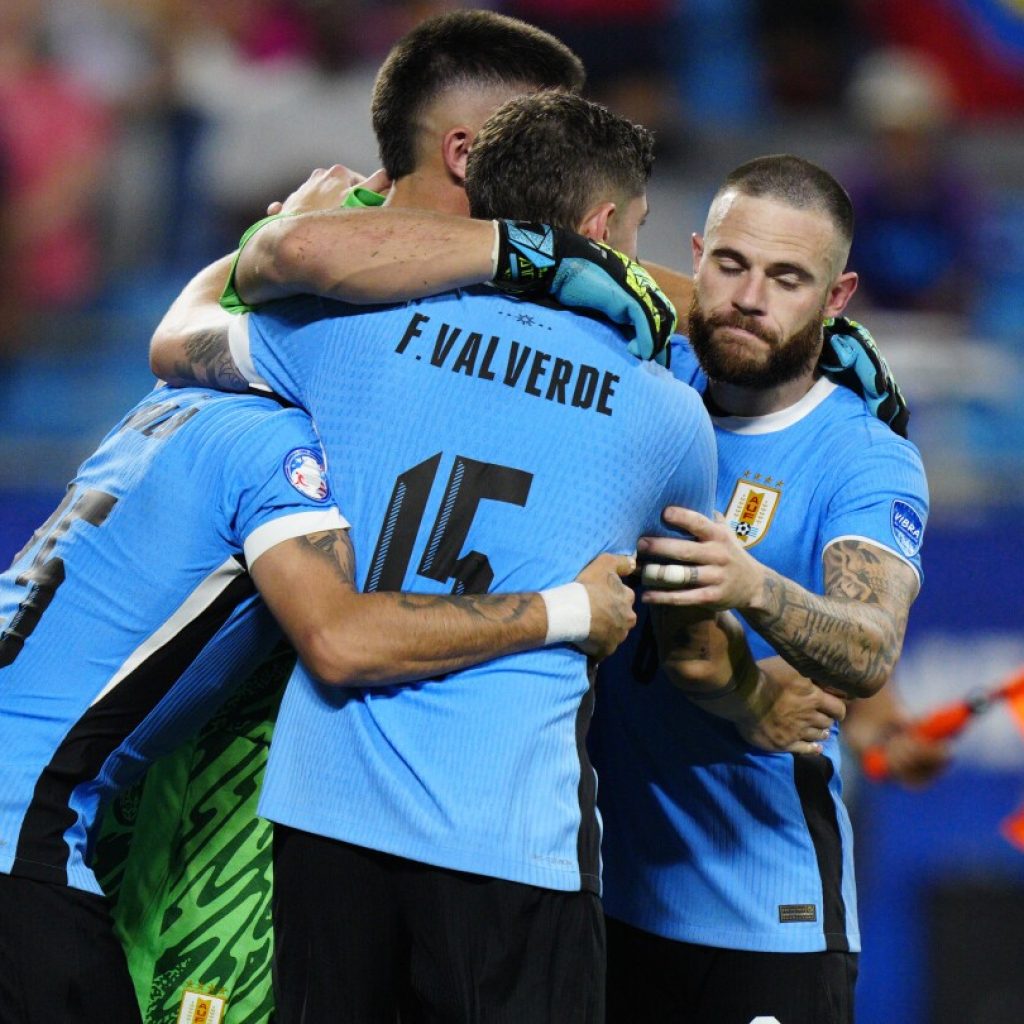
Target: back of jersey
[(126, 611), (477, 444)]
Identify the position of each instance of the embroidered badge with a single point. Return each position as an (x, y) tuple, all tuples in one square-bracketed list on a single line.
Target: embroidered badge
[(750, 511), (307, 473), (907, 528)]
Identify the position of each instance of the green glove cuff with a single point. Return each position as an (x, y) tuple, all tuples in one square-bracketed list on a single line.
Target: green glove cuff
[(230, 300)]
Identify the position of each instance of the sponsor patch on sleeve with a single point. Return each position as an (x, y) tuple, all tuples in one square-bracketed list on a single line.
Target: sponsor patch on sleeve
[(907, 528), (307, 473)]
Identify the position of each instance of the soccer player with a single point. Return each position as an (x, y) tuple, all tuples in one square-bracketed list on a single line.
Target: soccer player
[(729, 876), (124, 617), (447, 854)]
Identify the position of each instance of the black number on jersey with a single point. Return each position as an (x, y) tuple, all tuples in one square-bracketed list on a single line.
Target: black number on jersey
[(161, 420), (470, 483), (46, 573)]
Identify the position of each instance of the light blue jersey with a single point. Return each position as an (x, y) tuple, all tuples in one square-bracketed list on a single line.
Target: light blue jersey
[(125, 615), (708, 840), (483, 444)]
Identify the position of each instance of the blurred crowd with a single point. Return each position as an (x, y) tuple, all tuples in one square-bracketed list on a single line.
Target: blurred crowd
[(138, 139)]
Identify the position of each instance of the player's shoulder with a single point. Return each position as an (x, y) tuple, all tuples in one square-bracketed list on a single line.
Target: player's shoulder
[(847, 417), (217, 417), (685, 366)]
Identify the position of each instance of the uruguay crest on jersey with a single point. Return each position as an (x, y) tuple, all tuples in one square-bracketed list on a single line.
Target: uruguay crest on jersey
[(751, 509)]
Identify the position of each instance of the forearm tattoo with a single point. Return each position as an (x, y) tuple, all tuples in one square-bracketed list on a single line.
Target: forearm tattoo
[(852, 636), (335, 548), (208, 362), (500, 608)]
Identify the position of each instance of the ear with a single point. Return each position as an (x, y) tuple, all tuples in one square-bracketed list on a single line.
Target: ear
[(455, 149), (595, 224), (840, 293), (697, 247)]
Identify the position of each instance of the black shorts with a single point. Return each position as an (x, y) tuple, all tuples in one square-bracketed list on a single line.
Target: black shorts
[(59, 958), (652, 980), (363, 937)]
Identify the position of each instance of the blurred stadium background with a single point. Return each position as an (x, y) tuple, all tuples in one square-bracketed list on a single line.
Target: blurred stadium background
[(139, 137)]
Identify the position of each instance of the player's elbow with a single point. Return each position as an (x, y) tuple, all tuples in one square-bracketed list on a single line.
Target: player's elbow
[(867, 685), (339, 659), (164, 346)]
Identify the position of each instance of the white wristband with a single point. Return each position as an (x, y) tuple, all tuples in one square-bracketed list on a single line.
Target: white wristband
[(495, 249), (568, 609)]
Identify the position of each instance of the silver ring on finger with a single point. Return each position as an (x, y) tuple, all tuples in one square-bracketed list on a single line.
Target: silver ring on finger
[(691, 576)]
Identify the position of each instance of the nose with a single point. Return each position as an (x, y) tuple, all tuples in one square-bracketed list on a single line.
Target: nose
[(749, 297)]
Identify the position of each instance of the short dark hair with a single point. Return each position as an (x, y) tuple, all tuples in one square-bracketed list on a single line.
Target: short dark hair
[(797, 182), (550, 156), (460, 48)]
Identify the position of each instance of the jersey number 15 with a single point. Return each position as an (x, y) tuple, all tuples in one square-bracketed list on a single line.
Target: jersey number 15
[(470, 483)]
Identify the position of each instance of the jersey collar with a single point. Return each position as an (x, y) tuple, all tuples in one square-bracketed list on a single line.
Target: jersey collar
[(773, 421)]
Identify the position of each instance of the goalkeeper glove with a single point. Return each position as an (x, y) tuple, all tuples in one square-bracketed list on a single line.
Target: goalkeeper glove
[(850, 357), (536, 260)]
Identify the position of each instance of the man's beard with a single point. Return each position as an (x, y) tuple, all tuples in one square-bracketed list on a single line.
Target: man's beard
[(785, 360)]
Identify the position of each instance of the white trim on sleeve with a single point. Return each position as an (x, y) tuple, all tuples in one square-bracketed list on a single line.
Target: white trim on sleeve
[(241, 353), (269, 535), (876, 544)]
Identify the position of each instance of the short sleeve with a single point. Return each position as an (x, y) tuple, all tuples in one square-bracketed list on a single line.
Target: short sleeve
[(695, 477), (882, 498), (274, 351), (280, 488)]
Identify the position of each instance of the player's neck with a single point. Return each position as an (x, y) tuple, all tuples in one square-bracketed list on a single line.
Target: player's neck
[(734, 400), (424, 191)]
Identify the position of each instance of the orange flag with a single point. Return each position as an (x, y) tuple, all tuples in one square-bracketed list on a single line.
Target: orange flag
[(1015, 702), (1012, 828)]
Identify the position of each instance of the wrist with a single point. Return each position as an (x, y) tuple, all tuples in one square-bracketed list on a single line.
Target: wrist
[(495, 249), (760, 592), (568, 610)]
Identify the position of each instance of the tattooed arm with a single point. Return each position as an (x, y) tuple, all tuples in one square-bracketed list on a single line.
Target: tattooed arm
[(848, 639), (772, 706), (190, 344), (352, 639)]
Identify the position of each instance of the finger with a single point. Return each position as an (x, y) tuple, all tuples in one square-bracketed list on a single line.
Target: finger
[(690, 597), (821, 725), (670, 576), (686, 519), (802, 747), (672, 549), (378, 181), (625, 565), (832, 706), (275, 208)]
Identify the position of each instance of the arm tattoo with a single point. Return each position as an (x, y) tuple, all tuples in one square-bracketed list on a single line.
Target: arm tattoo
[(334, 548), (851, 637), (501, 608), (208, 362)]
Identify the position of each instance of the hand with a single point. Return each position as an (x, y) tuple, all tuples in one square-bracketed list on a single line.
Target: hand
[(850, 357), (717, 572), (538, 260), (790, 713), (326, 190), (611, 603), (914, 762)]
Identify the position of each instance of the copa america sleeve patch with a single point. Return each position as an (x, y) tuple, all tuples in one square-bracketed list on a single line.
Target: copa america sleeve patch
[(907, 528), (307, 473)]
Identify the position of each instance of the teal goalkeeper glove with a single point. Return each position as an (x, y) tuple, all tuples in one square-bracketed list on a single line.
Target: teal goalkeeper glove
[(850, 357), (589, 277)]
